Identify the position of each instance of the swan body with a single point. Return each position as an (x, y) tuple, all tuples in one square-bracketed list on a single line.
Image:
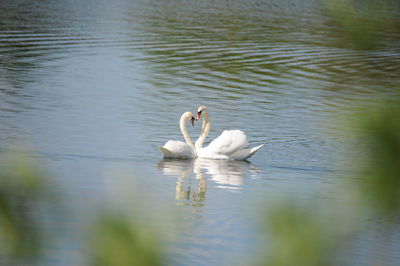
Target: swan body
[(230, 145), (178, 149)]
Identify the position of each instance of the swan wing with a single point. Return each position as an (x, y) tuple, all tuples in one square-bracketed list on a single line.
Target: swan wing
[(228, 142), (167, 153), (176, 149), (244, 154)]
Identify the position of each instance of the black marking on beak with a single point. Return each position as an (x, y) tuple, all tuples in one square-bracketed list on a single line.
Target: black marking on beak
[(192, 121), (198, 115)]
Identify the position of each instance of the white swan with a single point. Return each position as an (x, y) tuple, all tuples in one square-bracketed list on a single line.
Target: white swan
[(230, 145), (178, 149)]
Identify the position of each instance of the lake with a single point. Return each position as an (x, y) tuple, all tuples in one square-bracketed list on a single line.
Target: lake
[(95, 86)]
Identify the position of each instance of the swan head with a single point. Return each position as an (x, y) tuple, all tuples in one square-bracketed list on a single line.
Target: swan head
[(201, 110), (188, 116)]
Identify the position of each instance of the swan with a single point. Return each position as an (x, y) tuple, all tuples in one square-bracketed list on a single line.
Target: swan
[(178, 149), (230, 145)]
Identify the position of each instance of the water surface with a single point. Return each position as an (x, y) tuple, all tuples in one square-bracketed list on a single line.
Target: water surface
[(95, 87)]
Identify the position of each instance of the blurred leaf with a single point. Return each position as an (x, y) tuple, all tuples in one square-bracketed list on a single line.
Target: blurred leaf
[(21, 188), (118, 240), (299, 237), (362, 23), (380, 180)]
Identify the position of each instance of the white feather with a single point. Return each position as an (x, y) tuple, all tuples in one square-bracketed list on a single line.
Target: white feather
[(230, 145), (178, 149)]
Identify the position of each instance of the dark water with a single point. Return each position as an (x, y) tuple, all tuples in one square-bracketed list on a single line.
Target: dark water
[(96, 86)]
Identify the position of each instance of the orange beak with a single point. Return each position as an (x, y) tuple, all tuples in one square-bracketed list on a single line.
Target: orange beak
[(198, 115), (192, 121)]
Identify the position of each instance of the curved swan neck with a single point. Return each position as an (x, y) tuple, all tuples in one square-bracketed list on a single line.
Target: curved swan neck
[(182, 125), (205, 129)]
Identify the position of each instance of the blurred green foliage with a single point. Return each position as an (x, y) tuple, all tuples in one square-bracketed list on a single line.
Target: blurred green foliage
[(362, 23), (299, 237), (22, 188), (119, 240), (380, 176)]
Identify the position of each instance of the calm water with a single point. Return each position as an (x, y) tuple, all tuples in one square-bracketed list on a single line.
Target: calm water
[(95, 87)]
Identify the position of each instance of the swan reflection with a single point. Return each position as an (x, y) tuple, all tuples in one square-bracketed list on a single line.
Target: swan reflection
[(226, 174), (186, 188)]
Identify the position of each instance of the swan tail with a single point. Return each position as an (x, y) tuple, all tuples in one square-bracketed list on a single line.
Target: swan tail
[(245, 153), (167, 153), (173, 155)]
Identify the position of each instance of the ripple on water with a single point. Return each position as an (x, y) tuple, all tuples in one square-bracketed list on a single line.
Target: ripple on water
[(98, 85)]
